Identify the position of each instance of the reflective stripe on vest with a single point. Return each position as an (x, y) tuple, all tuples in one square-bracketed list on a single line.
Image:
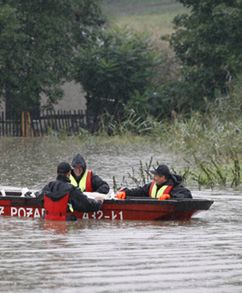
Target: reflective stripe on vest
[(85, 183), (165, 189), (56, 210)]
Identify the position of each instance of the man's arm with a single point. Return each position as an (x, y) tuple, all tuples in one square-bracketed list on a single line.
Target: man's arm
[(180, 191), (82, 203), (99, 185), (140, 191)]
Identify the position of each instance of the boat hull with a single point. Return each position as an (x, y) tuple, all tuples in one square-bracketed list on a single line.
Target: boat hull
[(130, 209)]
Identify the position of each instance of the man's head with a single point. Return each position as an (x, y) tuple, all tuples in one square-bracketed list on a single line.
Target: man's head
[(78, 170), (161, 174), (64, 169), (79, 165)]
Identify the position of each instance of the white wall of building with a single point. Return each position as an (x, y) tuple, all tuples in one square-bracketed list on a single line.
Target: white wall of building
[(73, 99)]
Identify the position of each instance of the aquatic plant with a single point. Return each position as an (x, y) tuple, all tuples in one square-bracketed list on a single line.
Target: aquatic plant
[(130, 123), (208, 174)]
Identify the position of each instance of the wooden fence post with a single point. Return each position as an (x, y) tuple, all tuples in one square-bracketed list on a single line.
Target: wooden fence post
[(26, 124), (23, 130)]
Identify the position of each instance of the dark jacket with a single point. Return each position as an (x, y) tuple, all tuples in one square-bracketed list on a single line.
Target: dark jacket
[(98, 185), (178, 191), (80, 202)]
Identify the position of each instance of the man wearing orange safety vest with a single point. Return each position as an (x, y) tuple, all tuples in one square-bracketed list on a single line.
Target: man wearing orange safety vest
[(164, 186), (85, 179), (61, 198)]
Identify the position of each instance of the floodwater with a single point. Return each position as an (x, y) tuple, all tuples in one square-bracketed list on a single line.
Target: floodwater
[(200, 255)]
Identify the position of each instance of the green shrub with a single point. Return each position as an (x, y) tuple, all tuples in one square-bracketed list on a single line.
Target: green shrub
[(112, 67), (207, 40)]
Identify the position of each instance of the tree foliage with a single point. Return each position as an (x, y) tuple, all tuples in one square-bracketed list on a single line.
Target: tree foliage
[(38, 44), (208, 42), (112, 68)]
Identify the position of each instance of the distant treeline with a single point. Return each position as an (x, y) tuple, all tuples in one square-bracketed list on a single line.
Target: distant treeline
[(44, 43)]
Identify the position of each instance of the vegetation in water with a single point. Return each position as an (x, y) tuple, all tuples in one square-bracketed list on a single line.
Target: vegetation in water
[(210, 143), (202, 174)]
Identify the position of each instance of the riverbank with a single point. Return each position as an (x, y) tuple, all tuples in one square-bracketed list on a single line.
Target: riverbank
[(209, 144), (205, 148)]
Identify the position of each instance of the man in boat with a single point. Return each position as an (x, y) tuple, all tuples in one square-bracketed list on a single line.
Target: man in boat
[(85, 179), (60, 195), (164, 186)]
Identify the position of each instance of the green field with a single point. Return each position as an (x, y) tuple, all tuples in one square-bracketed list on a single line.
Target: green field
[(152, 16)]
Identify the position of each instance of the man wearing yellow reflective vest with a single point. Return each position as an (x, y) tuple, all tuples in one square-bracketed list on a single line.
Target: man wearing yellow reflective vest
[(164, 186), (85, 179)]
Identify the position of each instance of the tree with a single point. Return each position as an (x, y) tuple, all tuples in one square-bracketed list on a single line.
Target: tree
[(208, 42), (112, 67), (38, 44)]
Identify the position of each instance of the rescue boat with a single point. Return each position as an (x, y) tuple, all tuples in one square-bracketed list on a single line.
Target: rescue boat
[(19, 203)]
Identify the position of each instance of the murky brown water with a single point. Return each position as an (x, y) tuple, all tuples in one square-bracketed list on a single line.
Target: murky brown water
[(201, 255)]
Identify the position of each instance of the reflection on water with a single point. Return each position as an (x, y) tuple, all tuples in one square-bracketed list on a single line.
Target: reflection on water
[(201, 255)]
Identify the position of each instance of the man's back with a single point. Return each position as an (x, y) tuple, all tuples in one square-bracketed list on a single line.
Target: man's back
[(80, 202)]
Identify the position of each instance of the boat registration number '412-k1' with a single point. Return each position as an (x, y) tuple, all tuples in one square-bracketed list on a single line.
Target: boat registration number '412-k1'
[(100, 215), (35, 212)]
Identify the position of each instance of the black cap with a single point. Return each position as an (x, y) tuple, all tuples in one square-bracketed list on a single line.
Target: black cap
[(63, 168), (162, 170)]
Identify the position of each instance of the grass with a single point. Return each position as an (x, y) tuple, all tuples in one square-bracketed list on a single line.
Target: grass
[(209, 143), (138, 7), (148, 16)]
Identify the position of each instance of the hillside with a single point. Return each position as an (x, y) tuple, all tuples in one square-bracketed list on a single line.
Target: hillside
[(152, 16)]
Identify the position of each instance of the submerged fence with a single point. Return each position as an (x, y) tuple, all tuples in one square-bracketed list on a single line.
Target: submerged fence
[(70, 122)]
